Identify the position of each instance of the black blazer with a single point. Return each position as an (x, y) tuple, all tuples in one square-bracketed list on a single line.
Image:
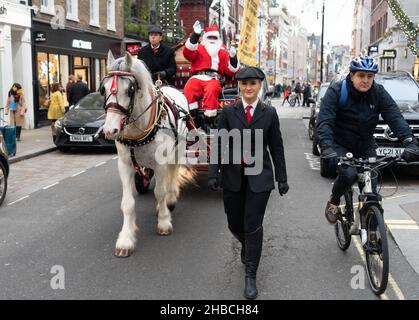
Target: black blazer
[(78, 91), (164, 60), (265, 118)]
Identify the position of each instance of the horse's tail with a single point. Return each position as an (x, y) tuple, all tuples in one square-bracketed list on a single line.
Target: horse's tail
[(186, 175)]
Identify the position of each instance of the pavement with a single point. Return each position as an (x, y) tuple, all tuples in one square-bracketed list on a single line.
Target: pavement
[(401, 210), (34, 142)]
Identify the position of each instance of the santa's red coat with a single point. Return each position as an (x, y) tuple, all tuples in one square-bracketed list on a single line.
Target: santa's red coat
[(201, 60)]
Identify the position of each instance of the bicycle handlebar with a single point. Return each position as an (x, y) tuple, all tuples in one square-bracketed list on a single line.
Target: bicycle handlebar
[(370, 162)]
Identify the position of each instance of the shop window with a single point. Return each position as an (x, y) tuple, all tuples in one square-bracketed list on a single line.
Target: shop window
[(64, 68), (103, 70), (43, 74), (97, 73), (82, 68)]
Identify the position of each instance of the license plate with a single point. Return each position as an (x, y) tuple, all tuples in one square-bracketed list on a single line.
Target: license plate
[(383, 152), (79, 138)]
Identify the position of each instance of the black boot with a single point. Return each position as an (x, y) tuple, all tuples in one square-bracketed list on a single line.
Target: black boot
[(209, 123), (18, 131), (253, 250), (240, 237)]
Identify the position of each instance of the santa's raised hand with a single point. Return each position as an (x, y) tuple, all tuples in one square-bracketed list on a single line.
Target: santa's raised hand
[(197, 27)]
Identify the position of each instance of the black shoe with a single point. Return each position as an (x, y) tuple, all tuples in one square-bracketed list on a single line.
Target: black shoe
[(253, 251)]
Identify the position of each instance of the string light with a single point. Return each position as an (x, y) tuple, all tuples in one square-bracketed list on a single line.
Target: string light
[(410, 30)]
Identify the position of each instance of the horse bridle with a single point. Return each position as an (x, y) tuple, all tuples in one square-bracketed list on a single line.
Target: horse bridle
[(133, 87)]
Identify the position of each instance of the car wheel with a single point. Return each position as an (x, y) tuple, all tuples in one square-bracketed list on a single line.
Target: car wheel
[(325, 170), (3, 182)]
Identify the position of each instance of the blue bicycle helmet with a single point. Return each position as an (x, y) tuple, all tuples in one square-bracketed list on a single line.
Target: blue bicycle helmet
[(364, 63)]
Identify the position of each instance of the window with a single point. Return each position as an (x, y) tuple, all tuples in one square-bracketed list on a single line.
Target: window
[(47, 6), (94, 13), (73, 10), (111, 14)]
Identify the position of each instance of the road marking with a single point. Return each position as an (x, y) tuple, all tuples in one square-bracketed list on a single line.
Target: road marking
[(50, 186), (115, 158), (78, 173), (401, 222), (391, 281), (400, 227), (313, 161), (20, 199), (397, 197), (100, 164)]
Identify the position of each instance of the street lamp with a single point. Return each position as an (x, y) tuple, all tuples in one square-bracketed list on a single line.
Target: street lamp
[(322, 47)]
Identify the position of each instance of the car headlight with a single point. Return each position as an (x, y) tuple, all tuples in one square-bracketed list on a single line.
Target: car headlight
[(58, 124)]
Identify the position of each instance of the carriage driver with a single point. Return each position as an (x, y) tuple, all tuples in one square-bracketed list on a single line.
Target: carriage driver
[(245, 194), (209, 62)]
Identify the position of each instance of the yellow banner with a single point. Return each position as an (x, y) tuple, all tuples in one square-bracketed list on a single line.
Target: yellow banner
[(247, 45)]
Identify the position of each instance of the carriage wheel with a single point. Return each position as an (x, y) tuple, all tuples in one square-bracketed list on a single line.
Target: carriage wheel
[(142, 182)]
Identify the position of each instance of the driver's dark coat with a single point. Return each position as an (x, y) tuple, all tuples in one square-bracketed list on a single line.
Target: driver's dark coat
[(164, 60), (353, 126), (264, 118)]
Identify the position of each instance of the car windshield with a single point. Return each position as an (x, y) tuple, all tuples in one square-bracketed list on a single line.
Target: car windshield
[(400, 88), (91, 102)]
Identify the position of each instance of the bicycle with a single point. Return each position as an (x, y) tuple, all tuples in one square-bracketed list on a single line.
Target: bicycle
[(367, 220)]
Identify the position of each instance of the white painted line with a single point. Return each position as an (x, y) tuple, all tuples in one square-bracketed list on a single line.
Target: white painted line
[(401, 222), (100, 164), (50, 186), (400, 227), (115, 158), (397, 197), (78, 173), (20, 199)]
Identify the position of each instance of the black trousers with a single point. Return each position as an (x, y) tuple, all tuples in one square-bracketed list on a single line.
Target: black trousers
[(245, 209), (348, 176)]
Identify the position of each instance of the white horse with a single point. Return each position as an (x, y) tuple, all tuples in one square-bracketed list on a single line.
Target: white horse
[(132, 118)]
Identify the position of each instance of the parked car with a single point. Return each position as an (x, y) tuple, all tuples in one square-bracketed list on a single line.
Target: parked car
[(82, 125), (4, 168), (405, 91), (314, 111)]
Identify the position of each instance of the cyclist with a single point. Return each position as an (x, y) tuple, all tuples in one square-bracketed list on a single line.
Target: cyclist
[(350, 128)]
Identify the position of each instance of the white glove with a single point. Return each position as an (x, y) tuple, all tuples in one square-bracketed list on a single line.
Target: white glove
[(197, 28), (232, 52)]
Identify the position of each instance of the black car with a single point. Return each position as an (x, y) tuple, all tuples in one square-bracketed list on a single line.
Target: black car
[(82, 125), (405, 92), (314, 111), (4, 168)]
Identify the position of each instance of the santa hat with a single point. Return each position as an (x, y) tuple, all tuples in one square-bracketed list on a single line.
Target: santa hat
[(212, 31)]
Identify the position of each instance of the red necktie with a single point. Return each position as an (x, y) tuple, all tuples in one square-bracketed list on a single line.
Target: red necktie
[(248, 114), (155, 50)]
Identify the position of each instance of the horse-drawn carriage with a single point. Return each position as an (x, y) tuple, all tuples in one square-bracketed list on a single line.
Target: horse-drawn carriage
[(228, 95)]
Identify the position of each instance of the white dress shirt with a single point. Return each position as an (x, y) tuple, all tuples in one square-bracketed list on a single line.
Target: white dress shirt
[(254, 105)]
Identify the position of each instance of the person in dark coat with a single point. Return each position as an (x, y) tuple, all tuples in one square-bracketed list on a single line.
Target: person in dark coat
[(158, 57), (78, 91), (307, 95), (246, 183), (351, 128)]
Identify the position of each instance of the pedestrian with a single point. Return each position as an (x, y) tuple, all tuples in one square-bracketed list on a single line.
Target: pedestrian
[(71, 81), (245, 193), (298, 90), (78, 91), (287, 94), (56, 106), (158, 57), (16, 105), (307, 95)]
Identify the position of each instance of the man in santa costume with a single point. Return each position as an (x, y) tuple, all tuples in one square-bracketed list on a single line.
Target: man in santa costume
[(209, 62)]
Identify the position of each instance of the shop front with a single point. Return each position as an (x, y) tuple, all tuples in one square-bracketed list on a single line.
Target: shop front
[(60, 53)]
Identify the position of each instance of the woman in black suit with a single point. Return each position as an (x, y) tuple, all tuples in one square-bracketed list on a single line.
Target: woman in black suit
[(247, 184)]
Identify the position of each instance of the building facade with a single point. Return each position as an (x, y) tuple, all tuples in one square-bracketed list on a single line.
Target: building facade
[(16, 51), (72, 37), (361, 27)]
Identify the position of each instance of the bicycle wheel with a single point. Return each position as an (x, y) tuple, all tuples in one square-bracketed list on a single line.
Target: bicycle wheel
[(376, 251), (343, 226)]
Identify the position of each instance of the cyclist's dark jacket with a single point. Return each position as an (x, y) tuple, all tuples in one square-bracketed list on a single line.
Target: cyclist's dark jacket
[(353, 126)]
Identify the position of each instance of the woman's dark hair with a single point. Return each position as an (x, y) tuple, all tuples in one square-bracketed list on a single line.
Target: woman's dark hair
[(55, 87), (18, 87)]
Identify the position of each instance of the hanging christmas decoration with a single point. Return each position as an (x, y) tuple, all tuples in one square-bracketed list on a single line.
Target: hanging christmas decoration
[(410, 30)]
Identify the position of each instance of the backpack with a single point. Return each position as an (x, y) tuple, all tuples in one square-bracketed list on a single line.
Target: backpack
[(343, 96)]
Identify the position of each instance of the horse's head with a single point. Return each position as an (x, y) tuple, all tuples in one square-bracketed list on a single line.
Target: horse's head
[(119, 88)]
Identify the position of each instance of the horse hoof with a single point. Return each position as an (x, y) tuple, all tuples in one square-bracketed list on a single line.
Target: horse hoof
[(171, 207), (165, 231), (122, 253)]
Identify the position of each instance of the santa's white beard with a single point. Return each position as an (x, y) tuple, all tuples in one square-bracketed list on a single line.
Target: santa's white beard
[(212, 46)]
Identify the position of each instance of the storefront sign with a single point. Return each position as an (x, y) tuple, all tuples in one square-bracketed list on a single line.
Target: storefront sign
[(40, 36), (390, 54), (3, 11), (80, 44), (133, 49), (372, 49)]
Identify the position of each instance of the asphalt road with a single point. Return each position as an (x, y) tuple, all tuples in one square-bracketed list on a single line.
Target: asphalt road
[(75, 223)]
